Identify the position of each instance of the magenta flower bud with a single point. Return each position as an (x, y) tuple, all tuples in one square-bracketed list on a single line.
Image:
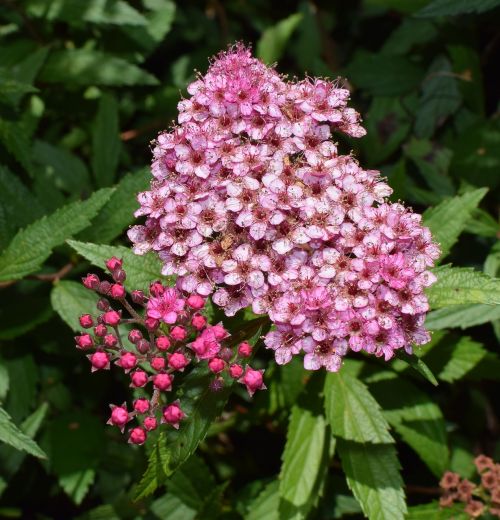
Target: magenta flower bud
[(141, 405), (139, 378), (91, 281), (150, 423), (226, 353), (178, 361), (86, 321), (137, 436), (235, 371), (198, 321), (104, 287), (127, 361), (117, 291), (162, 343), (134, 336), (99, 361), (158, 363), (143, 346), (151, 323), (196, 302), (173, 415), (178, 333), (253, 380), (119, 275), (111, 318), (244, 350), (219, 332), (163, 382), (119, 416), (216, 385), (216, 365), (84, 341), (114, 263), (156, 289), (100, 330), (110, 340), (103, 304), (138, 297)]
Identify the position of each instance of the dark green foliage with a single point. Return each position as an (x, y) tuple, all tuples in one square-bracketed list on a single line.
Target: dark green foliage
[(85, 86)]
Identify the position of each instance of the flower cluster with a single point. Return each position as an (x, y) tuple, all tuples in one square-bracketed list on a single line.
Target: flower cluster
[(154, 338), (252, 202), (478, 499)]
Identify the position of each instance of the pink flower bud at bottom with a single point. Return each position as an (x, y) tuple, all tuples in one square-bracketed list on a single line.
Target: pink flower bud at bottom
[(216, 365), (99, 361), (253, 380), (137, 436), (141, 405), (173, 415), (86, 321), (244, 350), (196, 302), (178, 333), (150, 423), (163, 381), (235, 371), (198, 321), (139, 378)]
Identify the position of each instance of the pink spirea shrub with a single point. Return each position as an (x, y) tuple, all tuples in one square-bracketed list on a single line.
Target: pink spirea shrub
[(252, 202)]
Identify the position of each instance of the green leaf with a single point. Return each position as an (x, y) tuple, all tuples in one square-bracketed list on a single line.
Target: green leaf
[(352, 412), (4, 381), (141, 270), (113, 12), (266, 505), (455, 7), (12, 435), (417, 364), (23, 377), (33, 245), (462, 285), (106, 142), (302, 456), (411, 32), (381, 76), (372, 473), (69, 171), (462, 316), (118, 212), (70, 300), (90, 67), (440, 98), (466, 355), (415, 417), (273, 41), (15, 139), (433, 511)]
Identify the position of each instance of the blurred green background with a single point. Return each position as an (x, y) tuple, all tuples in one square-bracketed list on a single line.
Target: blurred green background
[(86, 85)]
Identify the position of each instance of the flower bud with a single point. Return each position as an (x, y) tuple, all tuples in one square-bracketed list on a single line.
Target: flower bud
[(156, 289), (117, 291), (138, 297), (141, 405), (110, 340), (173, 415), (111, 318), (91, 281), (235, 371), (219, 332), (100, 330), (216, 385), (226, 353), (119, 416), (139, 378), (150, 423), (137, 436), (134, 336), (198, 321), (99, 361), (142, 346), (104, 287), (114, 263), (216, 365), (84, 341), (151, 323), (244, 350), (103, 304), (178, 333), (163, 382), (127, 361), (253, 380), (119, 275), (196, 302), (177, 361), (162, 343), (158, 363), (86, 321)]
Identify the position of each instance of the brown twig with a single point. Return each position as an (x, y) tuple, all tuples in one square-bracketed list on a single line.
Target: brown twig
[(133, 133), (44, 277)]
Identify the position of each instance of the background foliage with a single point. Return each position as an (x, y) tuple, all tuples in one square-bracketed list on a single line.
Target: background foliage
[(84, 87)]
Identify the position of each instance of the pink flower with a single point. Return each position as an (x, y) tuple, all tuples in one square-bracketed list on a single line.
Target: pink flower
[(166, 307), (253, 380)]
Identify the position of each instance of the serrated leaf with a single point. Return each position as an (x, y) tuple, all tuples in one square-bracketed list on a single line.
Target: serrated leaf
[(141, 270), (462, 316), (462, 285), (372, 473), (266, 505), (352, 412), (273, 41), (302, 456), (33, 245), (171, 507), (448, 219), (4, 381), (416, 418), (70, 300), (12, 435), (15, 138), (455, 7), (419, 365), (466, 355), (90, 67), (433, 511), (106, 142)]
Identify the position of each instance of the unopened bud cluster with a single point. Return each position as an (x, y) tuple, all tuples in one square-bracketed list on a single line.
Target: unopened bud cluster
[(480, 498), (166, 333)]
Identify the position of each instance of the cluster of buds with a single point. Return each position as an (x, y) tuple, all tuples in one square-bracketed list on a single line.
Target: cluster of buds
[(480, 498), (153, 337)]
